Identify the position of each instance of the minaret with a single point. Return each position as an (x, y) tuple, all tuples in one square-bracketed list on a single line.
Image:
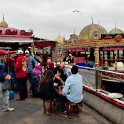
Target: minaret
[(115, 27), (3, 17), (74, 31), (92, 19), (98, 31)]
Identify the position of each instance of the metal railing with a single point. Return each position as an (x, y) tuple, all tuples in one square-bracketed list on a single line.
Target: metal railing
[(92, 77)]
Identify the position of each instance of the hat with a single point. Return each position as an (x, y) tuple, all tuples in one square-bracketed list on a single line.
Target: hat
[(26, 51), (3, 52), (51, 65), (19, 52), (11, 52)]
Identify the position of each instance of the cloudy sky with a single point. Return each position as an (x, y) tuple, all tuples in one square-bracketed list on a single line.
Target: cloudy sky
[(49, 18)]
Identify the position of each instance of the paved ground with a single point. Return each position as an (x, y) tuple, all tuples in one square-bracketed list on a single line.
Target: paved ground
[(30, 111)]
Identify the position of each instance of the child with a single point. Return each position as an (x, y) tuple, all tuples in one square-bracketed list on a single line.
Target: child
[(35, 77)]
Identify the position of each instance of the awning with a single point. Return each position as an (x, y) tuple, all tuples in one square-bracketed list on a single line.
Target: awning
[(45, 44), (16, 39)]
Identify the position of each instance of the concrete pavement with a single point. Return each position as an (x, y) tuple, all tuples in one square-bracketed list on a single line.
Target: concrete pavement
[(30, 111)]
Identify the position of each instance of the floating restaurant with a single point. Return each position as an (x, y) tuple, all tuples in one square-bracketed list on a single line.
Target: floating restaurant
[(96, 44)]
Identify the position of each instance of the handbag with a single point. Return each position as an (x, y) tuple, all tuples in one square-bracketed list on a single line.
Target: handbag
[(6, 85)]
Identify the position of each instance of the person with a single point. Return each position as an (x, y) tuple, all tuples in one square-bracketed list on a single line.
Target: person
[(90, 64), (10, 68), (3, 77), (66, 71), (59, 78), (65, 57), (72, 90), (35, 78), (50, 65), (31, 64), (71, 59), (46, 88), (21, 74)]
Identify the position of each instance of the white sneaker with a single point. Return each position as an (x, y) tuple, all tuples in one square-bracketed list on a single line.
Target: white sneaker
[(8, 110)]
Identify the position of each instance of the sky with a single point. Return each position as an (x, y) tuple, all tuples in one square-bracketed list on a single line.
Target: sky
[(50, 18)]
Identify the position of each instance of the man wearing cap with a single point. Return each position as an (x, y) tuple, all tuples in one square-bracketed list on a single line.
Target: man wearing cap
[(4, 76), (21, 74), (10, 67)]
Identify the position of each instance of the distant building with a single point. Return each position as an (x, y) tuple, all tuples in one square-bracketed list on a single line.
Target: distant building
[(60, 39)]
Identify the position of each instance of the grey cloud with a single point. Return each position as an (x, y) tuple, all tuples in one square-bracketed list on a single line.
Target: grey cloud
[(48, 18)]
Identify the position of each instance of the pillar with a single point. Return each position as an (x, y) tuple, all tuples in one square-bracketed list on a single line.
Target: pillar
[(54, 52), (32, 48), (96, 56)]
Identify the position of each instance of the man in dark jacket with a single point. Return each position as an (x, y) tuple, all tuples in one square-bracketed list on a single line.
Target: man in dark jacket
[(3, 77), (10, 67)]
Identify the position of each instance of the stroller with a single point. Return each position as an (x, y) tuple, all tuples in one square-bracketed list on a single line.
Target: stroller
[(35, 78)]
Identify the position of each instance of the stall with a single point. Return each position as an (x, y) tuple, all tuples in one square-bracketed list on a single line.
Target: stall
[(45, 46), (14, 38)]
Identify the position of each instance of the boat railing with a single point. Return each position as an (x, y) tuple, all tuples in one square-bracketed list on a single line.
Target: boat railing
[(92, 77)]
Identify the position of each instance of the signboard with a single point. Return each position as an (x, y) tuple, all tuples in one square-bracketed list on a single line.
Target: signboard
[(14, 32), (79, 49), (113, 48), (110, 36)]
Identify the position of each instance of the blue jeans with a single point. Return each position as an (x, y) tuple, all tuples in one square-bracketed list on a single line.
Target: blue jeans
[(16, 88), (5, 99), (62, 100)]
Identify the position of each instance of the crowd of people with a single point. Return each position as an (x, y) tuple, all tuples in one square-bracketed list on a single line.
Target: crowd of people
[(46, 80)]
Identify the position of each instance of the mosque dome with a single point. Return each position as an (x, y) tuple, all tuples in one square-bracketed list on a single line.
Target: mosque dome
[(92, 32), (60, 39), (3, 23), (73, 37), (116, 31)]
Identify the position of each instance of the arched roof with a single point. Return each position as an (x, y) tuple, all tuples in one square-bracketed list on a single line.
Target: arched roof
[(3, 23), (92, 32), (116, 30)]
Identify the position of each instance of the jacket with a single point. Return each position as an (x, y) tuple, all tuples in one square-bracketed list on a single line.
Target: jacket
[(2, 71), (31, 64), (11, 64), (21, 67), (47, 90)]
